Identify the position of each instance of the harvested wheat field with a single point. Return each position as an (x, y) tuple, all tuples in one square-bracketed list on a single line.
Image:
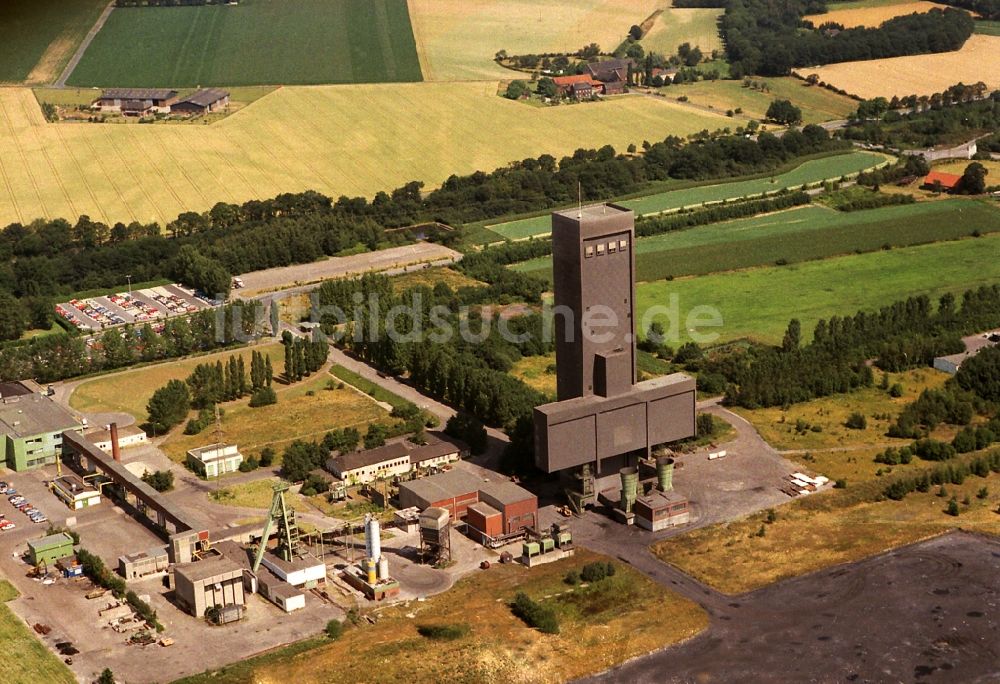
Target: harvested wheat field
[(673, 26), (457, 39), (338, 140), (867, 13), (916, 74)]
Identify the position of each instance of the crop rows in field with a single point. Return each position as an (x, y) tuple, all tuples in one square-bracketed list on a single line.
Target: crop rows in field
[(337, 140), (810, 172), (258, 42), (37, 37), (759, 302), (796, 235)]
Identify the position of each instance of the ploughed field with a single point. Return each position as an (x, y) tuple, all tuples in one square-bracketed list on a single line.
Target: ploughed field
[(255, 42)]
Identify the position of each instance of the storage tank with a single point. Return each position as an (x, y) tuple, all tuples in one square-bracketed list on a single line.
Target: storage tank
[(373, 541), (370, 570), (630, 486), (383, 568), (665, 473), (434, 524)]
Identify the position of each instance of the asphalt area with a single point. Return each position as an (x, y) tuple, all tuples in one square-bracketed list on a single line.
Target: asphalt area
[(149, 305), (924, 613)]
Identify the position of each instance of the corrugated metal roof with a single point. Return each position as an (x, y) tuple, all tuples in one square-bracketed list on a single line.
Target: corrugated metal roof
[(206, 97)]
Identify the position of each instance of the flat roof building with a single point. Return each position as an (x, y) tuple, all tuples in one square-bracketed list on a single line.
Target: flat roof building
[(215, 459), (48, 550), (136, 565), (215, 581), (31, 427), (454, 491), (73, 491), (129, 435), (660, 510)]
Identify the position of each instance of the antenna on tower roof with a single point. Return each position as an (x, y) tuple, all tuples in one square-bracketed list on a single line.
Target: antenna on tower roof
[(579, 196)]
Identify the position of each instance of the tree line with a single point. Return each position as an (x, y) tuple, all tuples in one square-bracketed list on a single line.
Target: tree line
[(769, 37), (906, 334), (49, 358)]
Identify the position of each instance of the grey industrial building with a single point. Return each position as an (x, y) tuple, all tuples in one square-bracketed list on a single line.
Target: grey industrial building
[(603, 420), (207, 583)]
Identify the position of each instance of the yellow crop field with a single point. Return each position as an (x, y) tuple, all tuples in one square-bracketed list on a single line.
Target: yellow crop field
[(674, 26), (338, 140), (917, 74), (457, 39), (853, 14)]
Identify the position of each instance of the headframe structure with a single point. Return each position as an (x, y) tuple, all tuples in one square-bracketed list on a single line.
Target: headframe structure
[(603, 420)]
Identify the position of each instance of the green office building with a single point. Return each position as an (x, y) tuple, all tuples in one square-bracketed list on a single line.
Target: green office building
[(31, 427)]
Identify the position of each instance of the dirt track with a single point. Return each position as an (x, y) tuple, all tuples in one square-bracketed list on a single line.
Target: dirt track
[(925, 613)]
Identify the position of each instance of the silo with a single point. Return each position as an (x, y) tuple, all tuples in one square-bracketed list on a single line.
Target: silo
[(630, 484), (665, 473), (373, 541), (383, 568)]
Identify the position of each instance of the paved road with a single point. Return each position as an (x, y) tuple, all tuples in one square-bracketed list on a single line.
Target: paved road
[(78, 55)]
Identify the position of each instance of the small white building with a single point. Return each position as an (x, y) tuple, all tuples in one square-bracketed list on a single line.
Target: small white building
[(128, 436), (307, 571), (75, 493), (435, 455), (215, 459)]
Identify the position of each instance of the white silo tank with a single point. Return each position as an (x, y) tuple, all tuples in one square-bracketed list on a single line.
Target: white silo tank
[(383, 568), (373, 541)]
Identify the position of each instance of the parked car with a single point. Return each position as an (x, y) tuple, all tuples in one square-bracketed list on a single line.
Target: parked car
[(6, 525)]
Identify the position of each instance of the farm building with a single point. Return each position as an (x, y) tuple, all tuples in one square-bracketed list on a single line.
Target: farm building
[(203, 101), (128, 436), (941, 181), (48, 550), (136, 101), (579, 87), (75, 493), (215, 459), (362, 467), (454, 490), (436, 454), (31, 427), (610, 70), (212, 582)]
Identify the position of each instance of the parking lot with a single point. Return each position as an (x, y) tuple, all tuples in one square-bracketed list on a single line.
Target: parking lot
[(151, 305)]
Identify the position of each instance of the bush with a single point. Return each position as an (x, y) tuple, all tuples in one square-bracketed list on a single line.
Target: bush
[(572, 577), (266, 457), (143, 609), (896, 391), (952, 508), (161, 480), (334, 628), (443, 632), (535, 614), (595, 572), (249, 465), (265, 396), (857, 421), (705, 426)]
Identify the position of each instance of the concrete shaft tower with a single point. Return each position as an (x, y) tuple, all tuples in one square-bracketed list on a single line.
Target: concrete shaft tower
[(594, 267)]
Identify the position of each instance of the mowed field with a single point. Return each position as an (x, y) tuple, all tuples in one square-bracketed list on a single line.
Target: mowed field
[(916, 74), (37, 37), (817, 104), (869, 13), (255, 42), (759, 302), (813, 171), (697, 26), (457, 39), (338, 140), (796, 235)]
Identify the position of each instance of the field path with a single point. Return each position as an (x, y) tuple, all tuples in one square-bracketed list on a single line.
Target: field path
[(78, 55)]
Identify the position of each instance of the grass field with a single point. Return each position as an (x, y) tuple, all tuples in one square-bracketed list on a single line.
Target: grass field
[(256, 42), (759, 302), (337, 140), (817, 104), (795, 235), (674, 26), (812, 171), (778, 426), (430, 277), (129, 391), (870, 13), (958, 167), (255, 494), (361, 383), (457, 39), (26, 659), (37, 37), (306, 410), (916, 74), (601, 624), (988, 28), (837, 526)]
